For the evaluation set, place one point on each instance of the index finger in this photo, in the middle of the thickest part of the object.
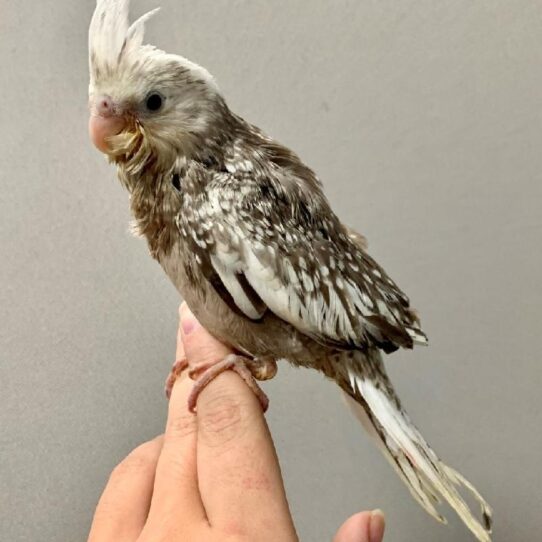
(238, 470)
(176, 484)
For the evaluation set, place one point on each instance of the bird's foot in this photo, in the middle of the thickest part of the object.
(248, 369)
(178, 367)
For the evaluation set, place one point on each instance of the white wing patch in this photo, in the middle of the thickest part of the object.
(230, 280)
(295, 296)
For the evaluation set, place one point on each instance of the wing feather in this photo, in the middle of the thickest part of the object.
(315, 275)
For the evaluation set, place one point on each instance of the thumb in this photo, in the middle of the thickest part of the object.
(200, 347)
(362, 527)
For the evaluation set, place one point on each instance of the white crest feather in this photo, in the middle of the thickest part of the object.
(136, 32)
(116, 46)
(111, 38)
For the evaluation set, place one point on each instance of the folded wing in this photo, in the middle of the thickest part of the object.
(260, 253)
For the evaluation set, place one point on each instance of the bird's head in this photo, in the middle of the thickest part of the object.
(145, 104)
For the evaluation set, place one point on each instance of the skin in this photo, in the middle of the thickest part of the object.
(212, 476)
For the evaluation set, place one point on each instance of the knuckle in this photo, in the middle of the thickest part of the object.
(139, 460)
(201, 351)
(181, 425)
(223, 418)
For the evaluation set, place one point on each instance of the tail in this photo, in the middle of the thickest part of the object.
(373, 400)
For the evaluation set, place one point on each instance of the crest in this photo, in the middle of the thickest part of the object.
(112, 40)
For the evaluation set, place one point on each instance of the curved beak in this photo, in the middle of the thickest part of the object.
(105, 121)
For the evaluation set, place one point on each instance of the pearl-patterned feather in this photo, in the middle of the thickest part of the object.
(305, 266)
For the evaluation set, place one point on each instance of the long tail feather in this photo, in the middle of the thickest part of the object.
(372, 398)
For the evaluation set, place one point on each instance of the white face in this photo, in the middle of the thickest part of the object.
(157, 93)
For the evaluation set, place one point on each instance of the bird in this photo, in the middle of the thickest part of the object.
(242, 228)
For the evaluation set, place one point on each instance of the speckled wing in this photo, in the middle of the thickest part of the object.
(263, 251)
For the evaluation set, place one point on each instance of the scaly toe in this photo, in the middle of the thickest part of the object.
(205, 373)
(178, 367)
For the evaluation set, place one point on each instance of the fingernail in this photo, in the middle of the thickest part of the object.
(377, 524)
(188, 323)
(188, 320)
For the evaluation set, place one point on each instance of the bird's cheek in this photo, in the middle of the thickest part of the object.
(102, 128)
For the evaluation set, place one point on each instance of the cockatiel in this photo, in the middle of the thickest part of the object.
(242, 228)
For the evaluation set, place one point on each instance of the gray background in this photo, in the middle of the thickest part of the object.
(423, 119)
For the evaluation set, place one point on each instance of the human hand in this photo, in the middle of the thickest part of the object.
(211, 477)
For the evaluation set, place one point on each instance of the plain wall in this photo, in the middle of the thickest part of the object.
(423, 120)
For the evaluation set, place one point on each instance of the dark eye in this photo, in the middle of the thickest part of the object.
(154, 101)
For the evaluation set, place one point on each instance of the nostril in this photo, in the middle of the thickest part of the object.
(104, 106)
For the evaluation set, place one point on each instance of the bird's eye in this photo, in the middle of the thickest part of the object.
(154, 101)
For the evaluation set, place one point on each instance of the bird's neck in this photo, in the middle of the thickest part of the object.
(154, 206)
(154, 199)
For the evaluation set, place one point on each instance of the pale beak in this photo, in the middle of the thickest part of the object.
(105, 121)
